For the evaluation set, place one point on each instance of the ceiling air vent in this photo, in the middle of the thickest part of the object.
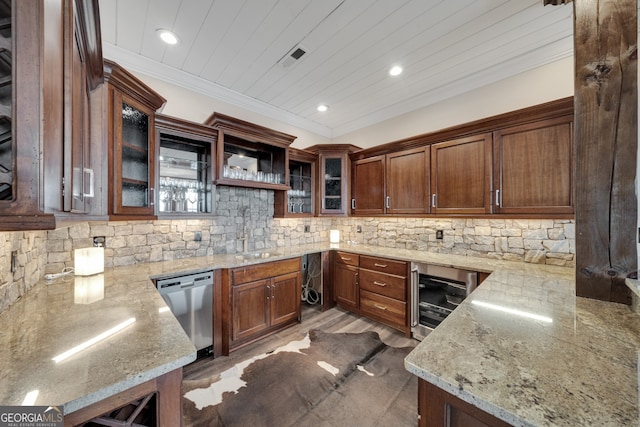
(292, 56)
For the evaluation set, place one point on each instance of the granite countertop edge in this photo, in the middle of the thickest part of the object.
(113, 389)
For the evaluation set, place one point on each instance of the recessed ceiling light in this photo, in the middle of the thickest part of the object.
(322, 108)
(395, 70)
(167, 36)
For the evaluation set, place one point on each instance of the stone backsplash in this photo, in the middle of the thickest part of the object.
(535, 241)
(240, 209)
(29, 265)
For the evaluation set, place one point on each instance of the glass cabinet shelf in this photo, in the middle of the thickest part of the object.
(184, 177)
(184, 167)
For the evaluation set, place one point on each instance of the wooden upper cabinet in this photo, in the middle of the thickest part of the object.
(461, 175)
(334, 173)
(249, 155)
(83, 72)
(396, 183)
(368, 188)
(533, 165)
(299, 201)
(407, 182)
(47, 66)
(131, 107)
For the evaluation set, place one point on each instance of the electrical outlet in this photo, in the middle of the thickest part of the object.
(358, 229)
(439, 234)
(99, 242)
(307, 228)
(198, 236)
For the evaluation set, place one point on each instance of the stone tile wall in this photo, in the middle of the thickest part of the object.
(31, 259)
(535, 241)
(129, 242)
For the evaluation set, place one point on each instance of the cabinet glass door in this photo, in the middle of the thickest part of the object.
(135, 157)
(300, 195)
(332, 197)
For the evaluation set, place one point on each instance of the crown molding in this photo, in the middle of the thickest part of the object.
(151, 68)
(551, 53)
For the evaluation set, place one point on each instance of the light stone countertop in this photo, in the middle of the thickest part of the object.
(575, 366)
(581, 369)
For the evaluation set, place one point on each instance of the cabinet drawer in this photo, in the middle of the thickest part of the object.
(399, 268)
(383, 307)
(384, 284)
(266, 270)
(347, 258)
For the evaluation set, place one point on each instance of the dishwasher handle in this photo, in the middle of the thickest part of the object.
(415, 296)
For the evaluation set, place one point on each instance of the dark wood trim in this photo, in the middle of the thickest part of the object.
(90, 40)
(249, 131)
(168, 401)
(435, 407)
(127, 83)
(185, 128)
(535, 113)
(218, 312)
(606, 131)
(349, 148)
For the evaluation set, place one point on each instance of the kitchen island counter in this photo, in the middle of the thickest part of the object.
(525, 349)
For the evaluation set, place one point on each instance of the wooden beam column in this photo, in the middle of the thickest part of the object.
(606, 135)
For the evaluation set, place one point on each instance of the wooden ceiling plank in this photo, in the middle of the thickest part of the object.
(189, 24)
(428, 61)
(224, 64)
(129, 28)
(161, 15)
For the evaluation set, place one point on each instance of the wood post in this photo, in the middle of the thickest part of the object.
(606, 132)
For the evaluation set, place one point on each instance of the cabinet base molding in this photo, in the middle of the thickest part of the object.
(27, 222)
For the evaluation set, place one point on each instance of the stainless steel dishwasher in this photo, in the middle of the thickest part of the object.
(190, 299)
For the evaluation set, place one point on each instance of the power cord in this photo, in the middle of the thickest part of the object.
(65, 272)
(309, 294)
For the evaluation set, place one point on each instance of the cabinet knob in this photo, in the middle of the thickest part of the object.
(268, 291)
(353, 203)
(388, 202)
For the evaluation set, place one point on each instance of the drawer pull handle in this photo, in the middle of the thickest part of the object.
(380, 307)
(380, 265)
(346, 259)
(379, 283)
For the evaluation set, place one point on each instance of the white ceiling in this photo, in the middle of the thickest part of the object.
(230, 50)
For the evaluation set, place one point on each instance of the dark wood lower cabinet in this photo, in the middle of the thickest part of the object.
(165, 389)
(263, 298)
(439, 408)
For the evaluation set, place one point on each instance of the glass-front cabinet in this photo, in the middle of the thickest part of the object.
(249, 155)
(184, 167)
(299, 200)
(135, 156)
(132, 155)
(333, 178)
